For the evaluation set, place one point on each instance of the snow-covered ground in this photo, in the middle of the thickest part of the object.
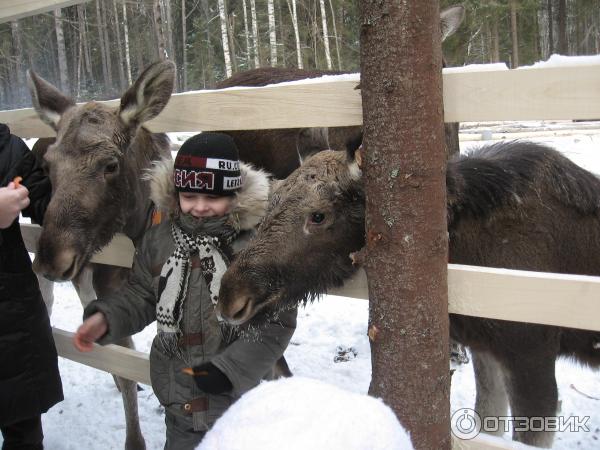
(91, 416)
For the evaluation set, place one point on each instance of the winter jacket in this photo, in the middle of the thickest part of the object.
(29, 379)
(245, 359)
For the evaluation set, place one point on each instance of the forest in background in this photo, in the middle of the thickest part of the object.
(96, 48)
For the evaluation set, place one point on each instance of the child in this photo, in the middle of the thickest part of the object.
(212, 200)
(29, 379)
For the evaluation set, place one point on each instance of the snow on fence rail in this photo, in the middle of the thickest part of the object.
(569, 92)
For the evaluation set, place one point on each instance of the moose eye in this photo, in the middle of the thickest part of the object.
(111, 168)
(317, 218)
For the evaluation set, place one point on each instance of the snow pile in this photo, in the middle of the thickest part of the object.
(566, 61)
(301, 413)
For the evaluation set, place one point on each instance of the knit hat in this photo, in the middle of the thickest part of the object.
(208, 163)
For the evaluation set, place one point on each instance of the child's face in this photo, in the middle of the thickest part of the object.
(204, 205)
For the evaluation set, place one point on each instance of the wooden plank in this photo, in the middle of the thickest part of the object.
(114, 359)
(567, 92)
(17, 9)
(518, 295)
(532, 94)
(119, 252)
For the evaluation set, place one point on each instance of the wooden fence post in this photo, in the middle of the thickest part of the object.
(406, 251)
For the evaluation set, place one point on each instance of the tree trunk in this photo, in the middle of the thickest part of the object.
(513, 34)
(495, 41)
(282, 33)
(208, 70)
(159, 30)
(272, 32)
(247, 35)
(294, 15)
(325, 34)
(335, 36)
(255, 41)
(18, 58)
(169, 30)
(184, 47)
(120, 47)
(406, 248)
(224, 38)
(126, 36)
(63, 70)
(562, 28)
(83, 36)
(550, 28)
(231, 34)
(107, 47)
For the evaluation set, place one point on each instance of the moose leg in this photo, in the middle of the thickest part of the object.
(134, 439)
(47, 290)
(106, 279)
(490, 399)
(532, 392)
(281, 369)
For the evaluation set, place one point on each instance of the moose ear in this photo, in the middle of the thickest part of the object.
(147, 97)
(354, 152)
(48, 102)
(450, 20)
(310, 141)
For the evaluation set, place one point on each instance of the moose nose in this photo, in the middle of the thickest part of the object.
(64, 266)
(238, 311)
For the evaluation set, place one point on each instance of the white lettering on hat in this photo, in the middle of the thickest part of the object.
(194, 179)
(232, 183)
(222, 164)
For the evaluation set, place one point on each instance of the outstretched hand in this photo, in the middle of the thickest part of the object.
(209, 378)
(13, 198)
(92, 329)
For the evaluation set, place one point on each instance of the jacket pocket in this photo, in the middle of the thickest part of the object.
(162, 376)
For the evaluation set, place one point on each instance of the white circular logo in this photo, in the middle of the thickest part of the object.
(465, 423)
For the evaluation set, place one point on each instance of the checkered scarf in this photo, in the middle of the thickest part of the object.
(174, 280)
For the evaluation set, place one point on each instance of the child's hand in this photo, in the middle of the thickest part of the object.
(92, 329)
(13, 199)
(209, 378)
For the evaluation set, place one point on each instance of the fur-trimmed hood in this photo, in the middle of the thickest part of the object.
(249, 204)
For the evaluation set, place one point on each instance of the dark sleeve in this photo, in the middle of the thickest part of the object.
(38, 183)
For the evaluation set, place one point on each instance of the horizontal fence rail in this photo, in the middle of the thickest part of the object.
(17, 9)
(551, 93)
(517, 295)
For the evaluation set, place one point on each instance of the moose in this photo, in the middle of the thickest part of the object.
(514, 205)
(97, 191)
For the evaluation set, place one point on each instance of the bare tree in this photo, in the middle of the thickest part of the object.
(18, 51)
(159, 30)
(406, 231)
(272, 32)
(563, 48)
(224, 38)
(325, 34)
(513, 34)
(83, 38)
(63, 70)
(184, 47)
(255, 42)
(247, 33)
(126, 36)
(119, 47)
(335, 36)
(294, 14)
